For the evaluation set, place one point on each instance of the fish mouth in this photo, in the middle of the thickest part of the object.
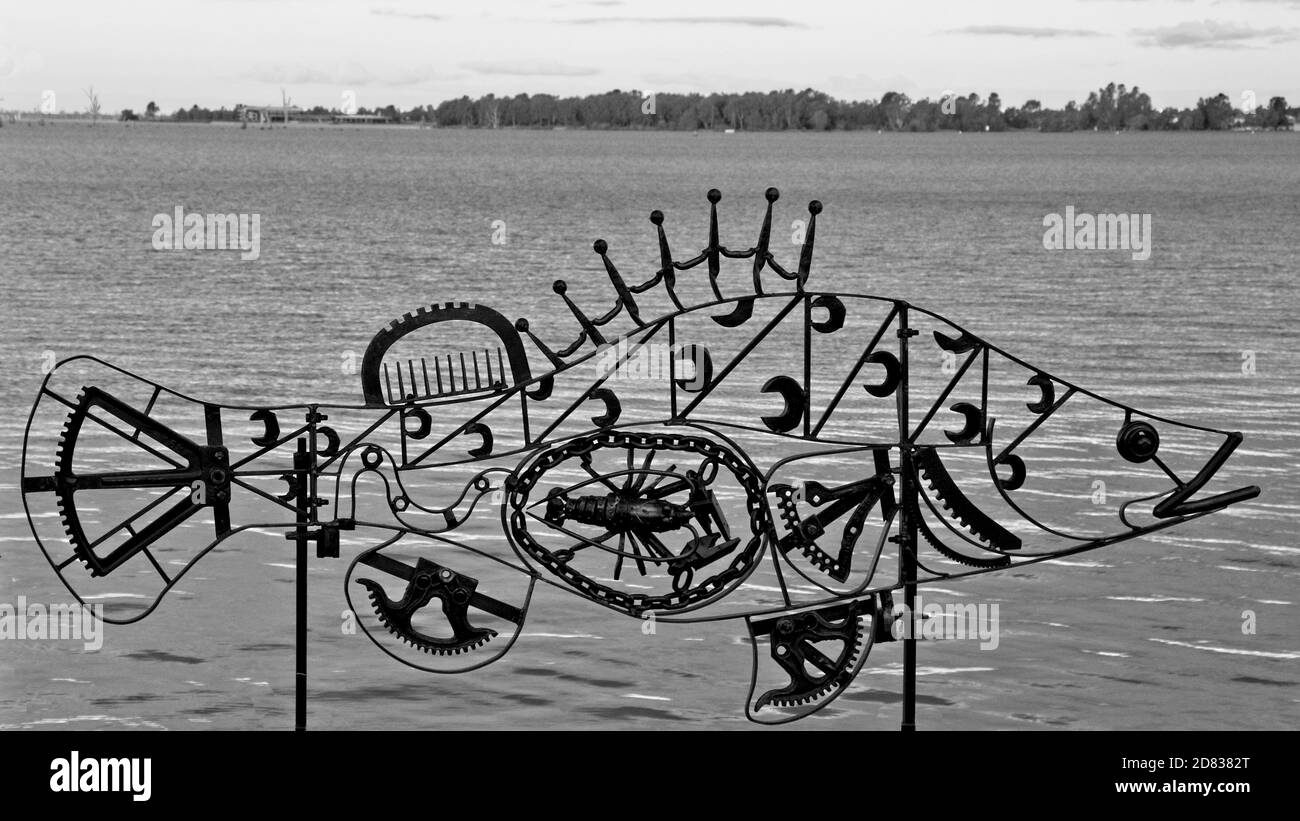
(1137, 442)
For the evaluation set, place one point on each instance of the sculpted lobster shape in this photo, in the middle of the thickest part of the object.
(796, 443)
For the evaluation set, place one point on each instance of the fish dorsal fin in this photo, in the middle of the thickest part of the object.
(592, 331)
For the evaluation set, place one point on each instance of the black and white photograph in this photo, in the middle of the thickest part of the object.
(618, 366)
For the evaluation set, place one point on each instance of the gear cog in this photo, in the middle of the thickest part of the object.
(833, 502)
(456, 593)
(820, 651)
(205, 466)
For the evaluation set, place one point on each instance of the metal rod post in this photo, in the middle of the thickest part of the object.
(907, 528)
(301, 464)
(907, 550)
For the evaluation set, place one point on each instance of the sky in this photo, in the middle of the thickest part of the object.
(407, 53)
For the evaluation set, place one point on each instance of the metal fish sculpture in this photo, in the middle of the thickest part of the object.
(651, 466)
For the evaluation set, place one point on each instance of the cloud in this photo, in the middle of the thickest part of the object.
(756, 22)
(1291, 3)
(1213, 34)
(1037, 32)
(698, 82)
(529, 68)
(858, 86)
(406, 15)
(14, 64)
(342, 75)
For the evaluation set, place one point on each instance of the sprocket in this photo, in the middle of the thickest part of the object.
(833, 641)
(203, 466)
(928, 534)
(456, 593)
(859, 497)
(979, 524)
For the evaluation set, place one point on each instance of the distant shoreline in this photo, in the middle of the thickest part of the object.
(1113, 107)
(37, 121)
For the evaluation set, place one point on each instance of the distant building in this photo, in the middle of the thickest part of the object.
(359, 118)
(267, 113)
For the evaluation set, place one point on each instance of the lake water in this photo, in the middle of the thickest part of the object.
(359, 226)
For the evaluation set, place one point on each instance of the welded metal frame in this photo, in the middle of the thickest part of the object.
(894, 489)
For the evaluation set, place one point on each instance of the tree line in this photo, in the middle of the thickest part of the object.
(1114, 107)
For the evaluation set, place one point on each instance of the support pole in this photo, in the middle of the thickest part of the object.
(301, 466)
(907, 528)
(907, 555)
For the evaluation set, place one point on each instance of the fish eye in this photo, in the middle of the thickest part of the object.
(1137, 441)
